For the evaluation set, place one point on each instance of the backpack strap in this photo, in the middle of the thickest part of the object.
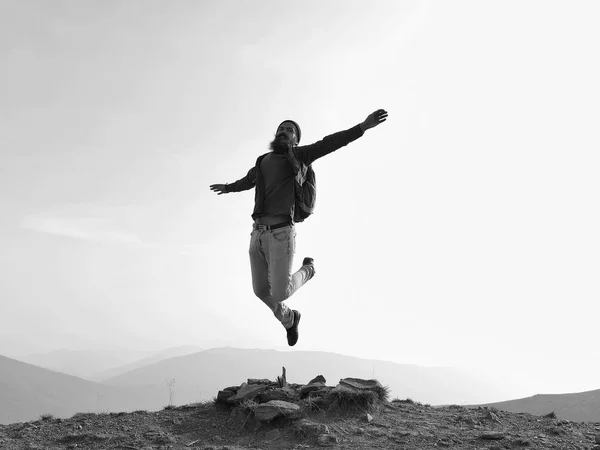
(300, 168)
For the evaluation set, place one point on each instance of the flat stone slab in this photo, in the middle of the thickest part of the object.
(307, 428)
(265, 412)
(493, 436)
(311, 387)
(360, 384)
(285, 394)
(222, 396)
(259, 381)
(318, 379)
(327, 439)
(247, 392)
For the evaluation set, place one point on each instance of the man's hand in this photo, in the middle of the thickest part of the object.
(374, 119)
(218, 188)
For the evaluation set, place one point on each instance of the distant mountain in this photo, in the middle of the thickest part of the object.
(27, 391)
(581, 407)
(164, 354)
(84, 363)
(201, 375)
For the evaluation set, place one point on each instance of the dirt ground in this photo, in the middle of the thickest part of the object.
(396, 425)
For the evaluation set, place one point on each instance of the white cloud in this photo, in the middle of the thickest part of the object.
(86, 228)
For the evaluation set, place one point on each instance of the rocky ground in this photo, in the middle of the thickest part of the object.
(231, 425)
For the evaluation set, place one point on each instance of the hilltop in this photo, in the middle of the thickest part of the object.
(580, 406)
(355, 414)
(27, 391)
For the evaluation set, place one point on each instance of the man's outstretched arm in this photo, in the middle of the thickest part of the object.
(243, 184)
(309, 153)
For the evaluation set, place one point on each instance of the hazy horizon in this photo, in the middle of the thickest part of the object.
(462, 232)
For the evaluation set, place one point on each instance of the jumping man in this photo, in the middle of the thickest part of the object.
(273, 239)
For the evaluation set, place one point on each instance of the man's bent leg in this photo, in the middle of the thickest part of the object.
(300, 278)
(260, 278)
(281, 258)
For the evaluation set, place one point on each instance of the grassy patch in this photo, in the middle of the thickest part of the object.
(313, 404)
(384, 393)
(249, 406)
(346, 401)
(410, 401)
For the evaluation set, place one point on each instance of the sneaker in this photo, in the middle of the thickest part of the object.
(292, 332)
(310, 262)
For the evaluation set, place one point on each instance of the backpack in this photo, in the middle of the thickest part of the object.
(305, 187)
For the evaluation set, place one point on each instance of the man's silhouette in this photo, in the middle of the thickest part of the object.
(273, 239)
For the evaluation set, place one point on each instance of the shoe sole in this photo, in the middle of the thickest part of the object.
(297, 322)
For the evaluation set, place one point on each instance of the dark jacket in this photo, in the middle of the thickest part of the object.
(306, 153)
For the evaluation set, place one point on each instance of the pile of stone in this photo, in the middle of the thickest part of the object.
(269, 400)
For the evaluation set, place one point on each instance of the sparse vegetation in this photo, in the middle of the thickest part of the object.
(281, 380)
(383, 392)
(345, 401)
(410, 401)
(340, 411)
(313, 404)
(249, 405)
(171, 384)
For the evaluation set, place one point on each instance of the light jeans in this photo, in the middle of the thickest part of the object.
(271, 258)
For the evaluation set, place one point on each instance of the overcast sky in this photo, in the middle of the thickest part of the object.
(462, 231)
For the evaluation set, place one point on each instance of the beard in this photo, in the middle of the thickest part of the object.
(279, 146)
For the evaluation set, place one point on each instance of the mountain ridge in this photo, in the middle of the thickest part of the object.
(578, 406)
(434, 385)
(27, 391)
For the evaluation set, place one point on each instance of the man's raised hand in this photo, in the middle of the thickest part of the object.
(218, 188)
(374, 119)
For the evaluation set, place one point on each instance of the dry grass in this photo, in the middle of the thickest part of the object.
(313, 404)
(343, 401)
(249, 405)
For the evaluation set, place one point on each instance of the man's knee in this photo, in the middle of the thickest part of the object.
(281, 294)
(261, 290)
(274, 296)
(271, 303)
